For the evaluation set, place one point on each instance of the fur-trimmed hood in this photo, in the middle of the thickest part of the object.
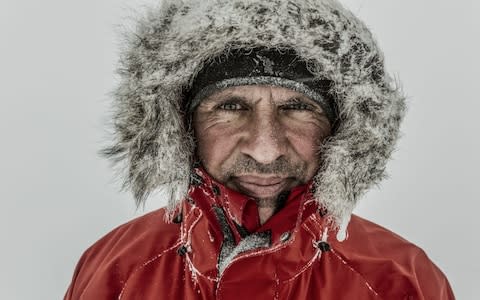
(172, 42)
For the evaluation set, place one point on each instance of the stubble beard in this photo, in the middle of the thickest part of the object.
(282, 167)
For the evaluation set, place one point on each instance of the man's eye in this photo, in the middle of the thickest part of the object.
(230, 106)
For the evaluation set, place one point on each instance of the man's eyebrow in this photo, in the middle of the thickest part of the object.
(303, 99)
(229, 98)
(296, 99)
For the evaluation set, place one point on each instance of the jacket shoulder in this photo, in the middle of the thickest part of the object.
(121, 251)
(136, 234)
(391, 265)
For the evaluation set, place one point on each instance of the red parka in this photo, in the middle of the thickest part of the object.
(148, 258)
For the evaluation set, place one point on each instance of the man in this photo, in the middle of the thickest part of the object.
(265, 121)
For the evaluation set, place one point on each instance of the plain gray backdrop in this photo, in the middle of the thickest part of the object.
(57, 61)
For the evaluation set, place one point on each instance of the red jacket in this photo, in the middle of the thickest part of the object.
(148, 258)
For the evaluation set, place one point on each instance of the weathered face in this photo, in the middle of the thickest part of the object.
(260, 140)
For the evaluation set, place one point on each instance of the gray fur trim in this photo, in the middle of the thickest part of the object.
(253, 241)
(228, 243)
(172, 42)
(229, 250)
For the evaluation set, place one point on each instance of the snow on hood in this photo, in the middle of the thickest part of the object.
(172, 41)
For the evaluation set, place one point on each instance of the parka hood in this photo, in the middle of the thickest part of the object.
(172, 42)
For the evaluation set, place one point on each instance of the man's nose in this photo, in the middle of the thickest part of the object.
(265, 140)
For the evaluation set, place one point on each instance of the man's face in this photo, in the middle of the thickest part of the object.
(260, 140)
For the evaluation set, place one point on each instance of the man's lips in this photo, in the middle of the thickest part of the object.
(259, 186)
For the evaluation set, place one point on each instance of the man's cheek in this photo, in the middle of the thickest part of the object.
(306, 143)
(216, 151)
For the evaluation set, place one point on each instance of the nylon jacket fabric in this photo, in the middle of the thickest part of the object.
(148, 258)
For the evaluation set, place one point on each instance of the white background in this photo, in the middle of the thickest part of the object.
(57, 61)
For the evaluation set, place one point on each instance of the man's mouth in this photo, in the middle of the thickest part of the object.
(260, 186)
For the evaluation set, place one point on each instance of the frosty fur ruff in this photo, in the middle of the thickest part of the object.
(172, 41)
